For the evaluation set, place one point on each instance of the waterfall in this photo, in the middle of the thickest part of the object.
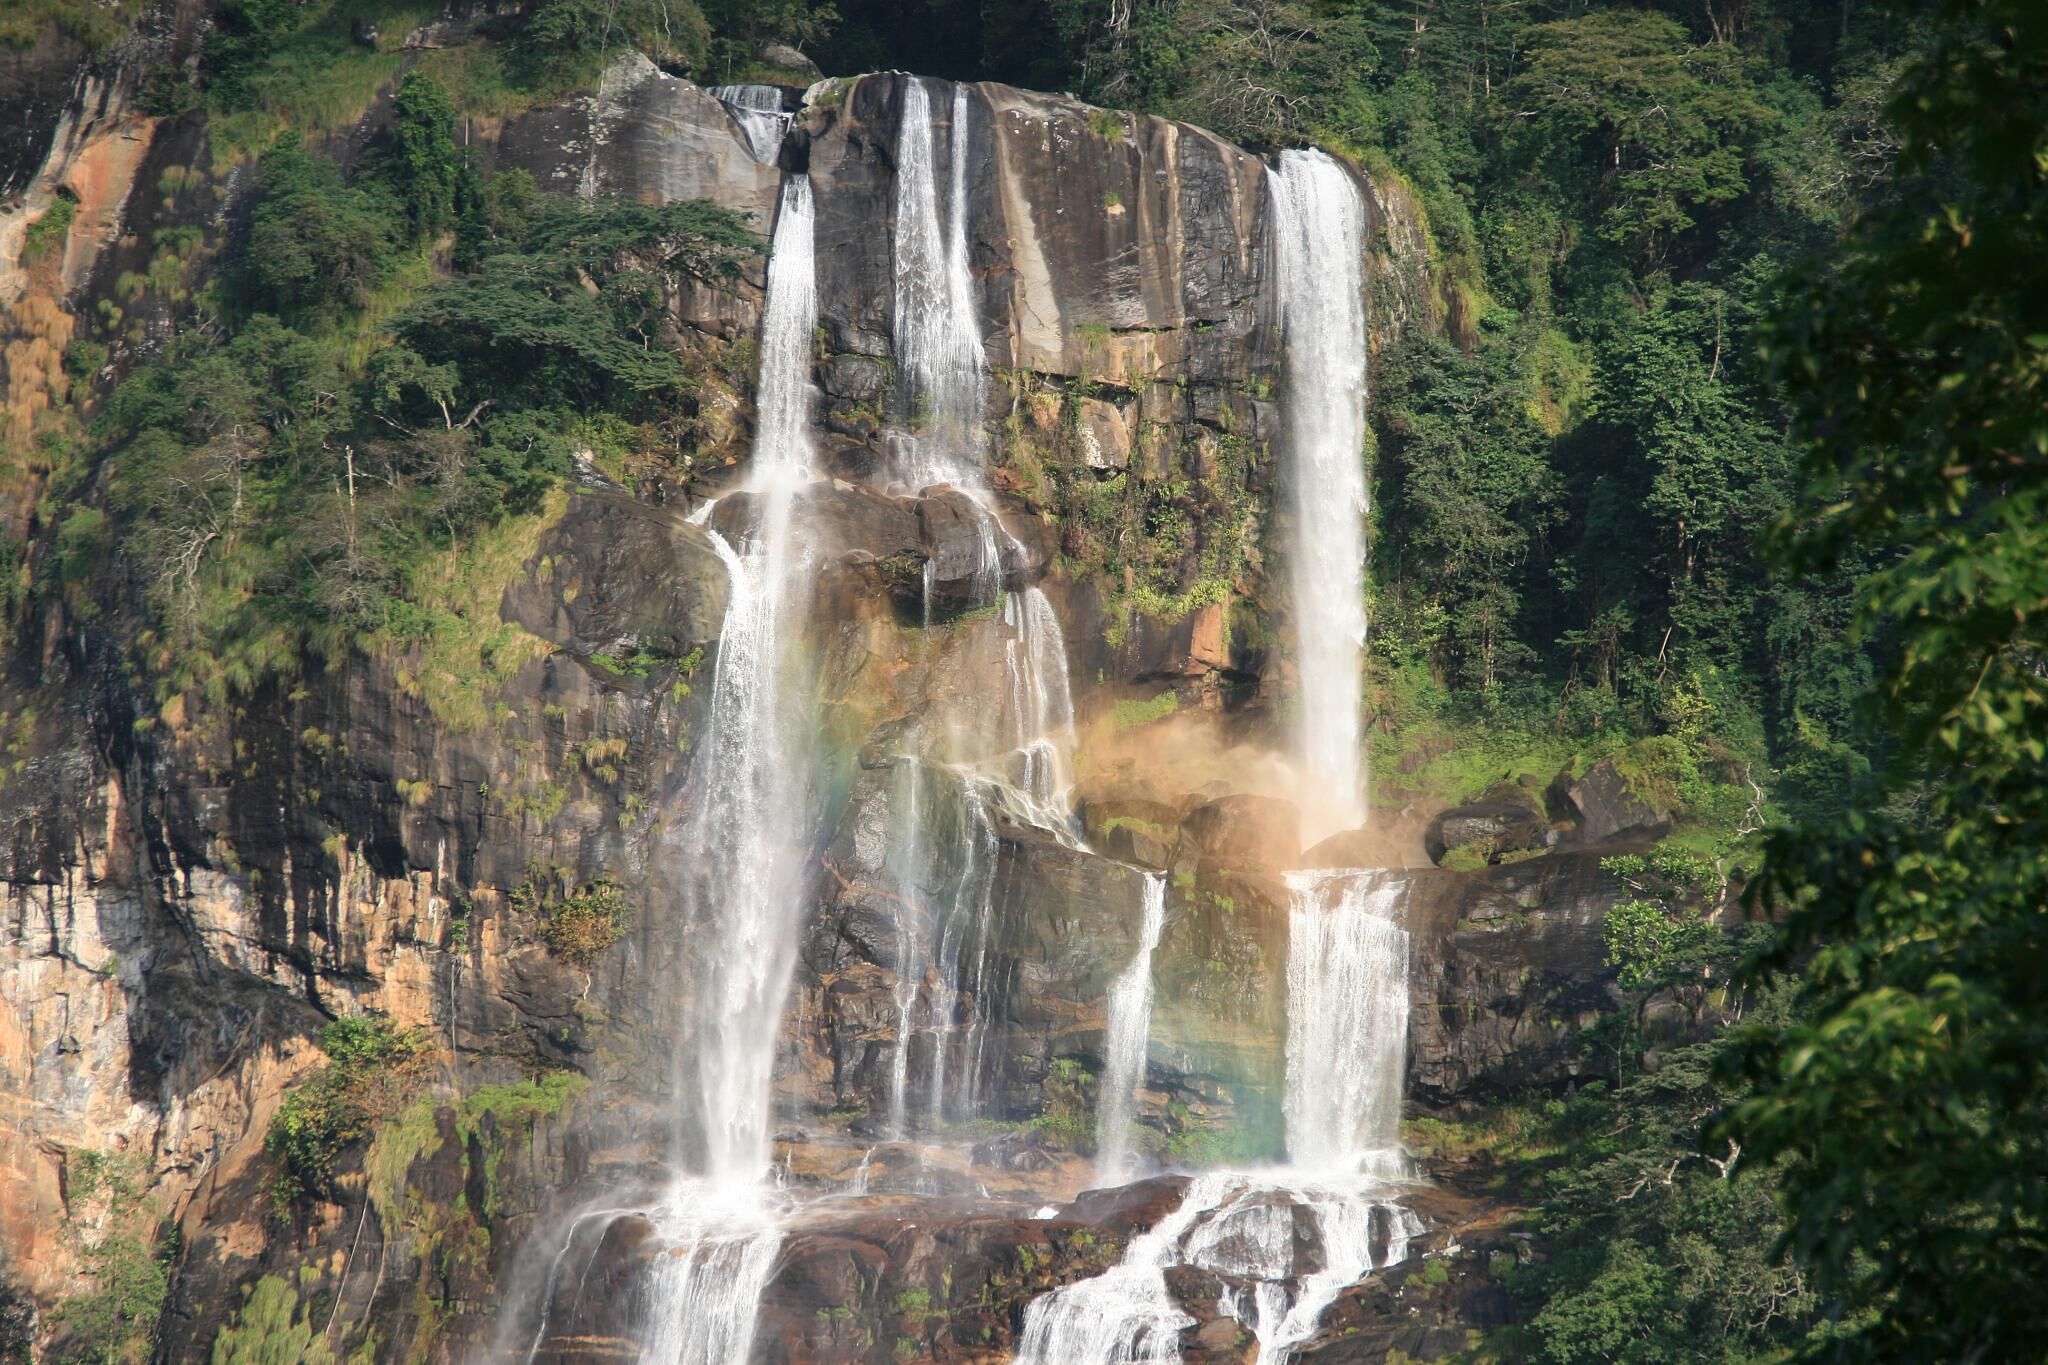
(1284, 1246)
(938, 336)
(1318, 227)
(1253, 1239)
(740, 880)
(1018, 762)
(965, 962)
(1130, 1027)
(1041, 704)
(907, 860)
(1347, 1020)
(1124, 1316)
(1286, 1241)
(757, 109)
(739, 875)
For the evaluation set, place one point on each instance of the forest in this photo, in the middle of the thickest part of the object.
(1729, 464)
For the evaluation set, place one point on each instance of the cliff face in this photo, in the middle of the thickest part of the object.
(192, 888)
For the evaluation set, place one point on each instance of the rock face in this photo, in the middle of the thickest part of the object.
(192, 884)
(1490, 831)
(1509, 964)
(1609, 808)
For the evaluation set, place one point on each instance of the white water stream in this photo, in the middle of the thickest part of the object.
(1347, 1015)
(740, 874)
(757, 109)
(1009, 749)
(1129, 1031)
(1347, 1021)
(938, 332)
(1318, 228)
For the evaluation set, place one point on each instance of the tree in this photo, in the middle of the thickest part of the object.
(1909, 1108)
(316, 244)
(1621, 104)
(426, 169)
(1466, 487)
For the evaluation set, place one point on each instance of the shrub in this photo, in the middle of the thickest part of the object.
(1130, 714)
(271, 1328)
(373, 1069)
(47, 233)
(577, 926)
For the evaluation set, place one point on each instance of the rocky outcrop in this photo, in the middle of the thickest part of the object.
(1609, 807)
(1489, 832)
(1508, 965)
(194, 882)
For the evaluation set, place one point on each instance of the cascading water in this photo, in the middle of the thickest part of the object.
(758, 111)
(1124, 1316)
(950, 867)
(938, 335)
(741, 877)
(1318, 228)
(1129, 1031)
(1347, 1028)
(1347, 1020)
(1250, 1230)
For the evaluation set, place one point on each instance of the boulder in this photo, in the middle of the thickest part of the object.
(1132, 829)
(1249, 833)
(1105, 434)
(1493, 831)
(960, 543)
(615, 576)
(786, 58)
(1608, 808)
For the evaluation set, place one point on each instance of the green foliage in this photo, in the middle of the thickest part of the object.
(47, 233)
(1905, 1106)
(518, 1105)
(1466, 488)
(577, 925)
(1654, 1252)
(1129, 714)
(373, 1068)
(1654, 947)
(1624, 106)
(1067, 1113)
(271, 1327)
(111, 1318)
(425, 168)
(317, 246)
(301, 483)
(94, 23)
(527, 320)
(563, 42)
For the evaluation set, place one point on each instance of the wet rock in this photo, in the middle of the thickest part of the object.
(838, 522)
(856, 378)
(1609, 808)
(1491, 831)
(960, 547)
(1250, 833)
(1132, 829)
(1508, 964)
